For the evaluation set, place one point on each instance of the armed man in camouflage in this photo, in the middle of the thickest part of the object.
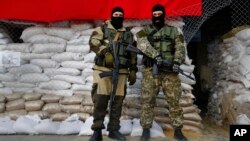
(160, 42)
(101, 43)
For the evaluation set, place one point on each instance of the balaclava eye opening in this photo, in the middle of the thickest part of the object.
(117, 22)
(159, 21)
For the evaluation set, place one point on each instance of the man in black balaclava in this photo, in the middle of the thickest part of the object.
(161, 43)
(158, 16)
(101, 42)
(117, 17)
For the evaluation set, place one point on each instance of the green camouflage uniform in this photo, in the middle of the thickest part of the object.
(102, 38)
(168, 43)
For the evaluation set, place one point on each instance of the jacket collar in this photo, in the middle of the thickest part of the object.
(110, 26)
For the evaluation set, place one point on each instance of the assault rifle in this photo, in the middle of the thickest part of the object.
(164, 63)
(113, 73)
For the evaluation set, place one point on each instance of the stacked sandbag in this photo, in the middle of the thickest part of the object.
(192, 119)
(229, 61)
(4, 37)
(52, 61)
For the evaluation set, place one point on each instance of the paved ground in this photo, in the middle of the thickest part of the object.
(210, 133)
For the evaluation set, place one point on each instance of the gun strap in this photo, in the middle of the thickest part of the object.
(117, 35)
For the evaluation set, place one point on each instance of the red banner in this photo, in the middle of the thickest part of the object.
(57, 10)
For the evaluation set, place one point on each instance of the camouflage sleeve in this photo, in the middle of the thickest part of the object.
(96, 40)
(144, 45)
(179, 55)
(133, 56)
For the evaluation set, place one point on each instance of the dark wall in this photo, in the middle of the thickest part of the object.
(213, 28)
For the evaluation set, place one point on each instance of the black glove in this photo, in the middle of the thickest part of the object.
(132, 77)
(176, 67)
(158, 60)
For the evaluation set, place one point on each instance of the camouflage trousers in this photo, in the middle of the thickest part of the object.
(171, 87)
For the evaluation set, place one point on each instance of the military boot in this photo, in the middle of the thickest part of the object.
(178, 135)
(145, 134)
(97, 135)
(116, 135)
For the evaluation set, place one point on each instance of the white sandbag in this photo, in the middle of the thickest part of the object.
(19, 47)
(15, 105)
(61, 71)
(185, 86)
(52, 108)
(55, 85)
(48, 48)
(82, 40)
(33, 78)
(68, 78)
(30, 56)
(1, 85)
(126, 127)
(136, 129)
(245, 62)
(22, 90)
(43, 39)
(81, 26)
(5, 41)
(87, 72)
(51, 98)
(88, 66)
(55, 92)
(73, 64)
(6, 126)
(3, 47)
(86, 128)
(242, 98)
(7, 77)
(26, 124)
(73, 117)
(186, 80)
(31, 31)
(79, 87)
(47, 126)
(45, 63)
(243, 119)
(65, 33)
(5, 91)
(73, 127)
(3, 70)
(27, 68)
(89, 79)
(34, 105)
(3, 34)
(85, 49)
(18, 85)
(87, 32)
(156, 131)
(89, 58)
(243, 35)
(68, 56)
(187, 68)
(75, 99)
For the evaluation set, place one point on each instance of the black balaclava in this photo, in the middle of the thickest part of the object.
(160, 24)
(117, 22)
